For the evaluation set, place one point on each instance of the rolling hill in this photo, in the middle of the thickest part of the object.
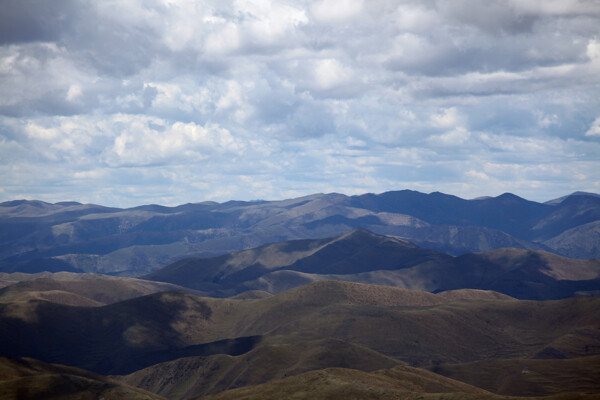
(361, 256)
(78, 289)
(37, 236)
(207, 345)
(338, 383)
(26, 378)
(528, 377)
(395, 383)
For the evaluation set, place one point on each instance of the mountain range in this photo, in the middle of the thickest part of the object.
(396, 295)
(361, 256)
(36, 236)
(179, 345)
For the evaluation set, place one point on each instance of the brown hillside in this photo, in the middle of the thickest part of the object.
(337, 383)
(93, 290)
(368, 323)
(529, 377)
(195, 376)
(29, 379)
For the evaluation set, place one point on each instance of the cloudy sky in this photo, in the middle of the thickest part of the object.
(163, 101)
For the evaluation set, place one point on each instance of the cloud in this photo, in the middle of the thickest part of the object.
(594, 128)
(278, 98)
(151, 141)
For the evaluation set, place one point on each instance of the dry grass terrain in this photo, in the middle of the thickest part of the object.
(183, 346)
(29, 379)
(396, 383)
(532, 377)
(78, 289)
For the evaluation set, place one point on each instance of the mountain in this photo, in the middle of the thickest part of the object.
(579, 193)
(395, 383)
(179, 345)
(180, 378)
(381, 324)
(68, 236)
(78, 289)
(338, 383)
(583, 239)
(362, 256)
(26, 378)
(351, 253)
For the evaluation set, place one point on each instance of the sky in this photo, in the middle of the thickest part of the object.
(132, 102)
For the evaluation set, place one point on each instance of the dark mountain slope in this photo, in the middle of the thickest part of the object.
(583, 239)
(355, 252)
(361, 251)
(572, 212)
(117, 338)
(508, 213)
(361, 256)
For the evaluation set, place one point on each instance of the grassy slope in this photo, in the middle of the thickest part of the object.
(195, 376)
(369, 325)
(397, 383)
(96, 290)
(25, 378)
(527, 376)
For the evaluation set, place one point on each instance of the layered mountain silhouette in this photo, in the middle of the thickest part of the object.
(361, 256)
(393, 295)
(37, 236)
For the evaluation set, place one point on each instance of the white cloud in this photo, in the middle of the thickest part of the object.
(270, 21)
(446, 118)
(336, 10)
(298, 97)
(455, 137)
(594, 128)
(330, 73)
(150, 141)
(226, 39)
(477, 175)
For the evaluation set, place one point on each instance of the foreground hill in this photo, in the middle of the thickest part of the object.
(396, 383)
(37, 236)
(529, 377)
(337, 383)
(26, 378)
(361, 256)
(180, 344)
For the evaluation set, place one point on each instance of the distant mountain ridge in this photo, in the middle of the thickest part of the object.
(36, 236)
(361, 256)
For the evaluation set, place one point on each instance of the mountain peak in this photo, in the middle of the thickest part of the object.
(563, 198)
(362, 234)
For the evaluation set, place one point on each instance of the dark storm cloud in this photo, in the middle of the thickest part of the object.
(36, 20)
